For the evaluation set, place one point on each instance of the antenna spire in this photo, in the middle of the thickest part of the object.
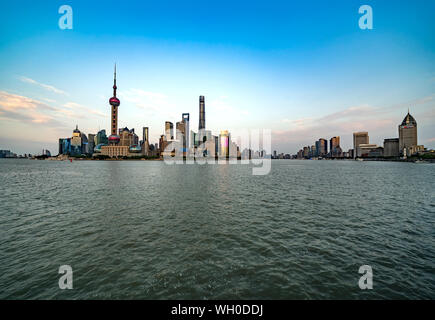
(114, 82)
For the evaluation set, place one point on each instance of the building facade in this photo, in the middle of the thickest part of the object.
(201, 124)
(360, 138)
(408, 136)
(391, 147)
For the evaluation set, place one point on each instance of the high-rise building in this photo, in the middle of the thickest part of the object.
(321, 147)
(145, 141)
(181, 134)
(306, 152)
(169, 131)
(76, 142)
(127, 137)
(114, 102)
(91, 143)
(391, 147)
(408, 136)
(201, 113)
(313, 151)
(224, 144)
(101, 138)
(358, 139)
(186, 118)
(334, 146)
(65, 146)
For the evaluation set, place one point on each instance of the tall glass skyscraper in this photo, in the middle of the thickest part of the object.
(201, 113)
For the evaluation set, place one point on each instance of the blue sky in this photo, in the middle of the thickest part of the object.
(303, 69)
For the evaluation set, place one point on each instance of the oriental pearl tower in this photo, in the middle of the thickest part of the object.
(114, 102)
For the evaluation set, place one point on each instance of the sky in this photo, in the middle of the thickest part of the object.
(303, 69)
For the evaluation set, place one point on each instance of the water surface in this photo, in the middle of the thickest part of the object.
(146, 230)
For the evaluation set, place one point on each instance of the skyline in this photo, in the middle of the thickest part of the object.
(304, 80)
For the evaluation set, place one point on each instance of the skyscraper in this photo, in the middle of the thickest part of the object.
(224, 144)
(321, 147)
(358, 139)
(334, 146)
(185, 118)
(114, 102)
(201, 113)
(91, 143)
(408, 136)
(169, 131)
(145, 141)
(76, 141)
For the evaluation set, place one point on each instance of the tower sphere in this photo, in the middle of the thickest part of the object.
(114, 101)
(114, 138)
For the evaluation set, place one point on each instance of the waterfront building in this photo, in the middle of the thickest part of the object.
(201, 113)
(334, 147)
(391, 147)
(224, 143)
(313, 151)
(169, 131)
(145, 141)
(76, 142)
(216, 145)
(162, 144)
(186, 119)
(306, 152)
(408, 136)
(85, 144)
(128, 137)
(300, 154)
(101, 138)
(360, 138)
(364, 150)
(322, 147)
(7, 154)
(65, 146)
(181, 134)
(91, 143)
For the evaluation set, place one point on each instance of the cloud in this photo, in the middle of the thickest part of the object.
(16, 107)
(73, 109)
(375, 120)
(21, 108)
(43, 85)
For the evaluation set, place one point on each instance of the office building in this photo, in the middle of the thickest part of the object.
(391, 147)
(360, 138)
(408, 136)
(201, 113)
(169, 131)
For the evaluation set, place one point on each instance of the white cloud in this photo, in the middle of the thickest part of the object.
(43, 85)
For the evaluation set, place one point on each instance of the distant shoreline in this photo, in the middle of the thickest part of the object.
(412, 160)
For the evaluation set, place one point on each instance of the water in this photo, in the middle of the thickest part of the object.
(146, 230)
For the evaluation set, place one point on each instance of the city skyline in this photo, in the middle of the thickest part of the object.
(305, 84)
